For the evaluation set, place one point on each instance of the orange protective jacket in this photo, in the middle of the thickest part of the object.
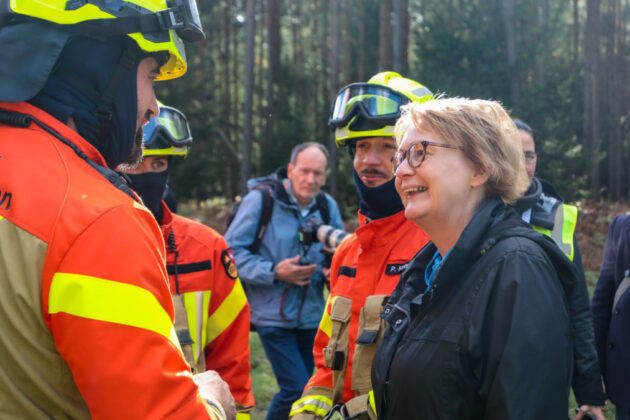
(365, 270)
(86, 311)
(214, 314)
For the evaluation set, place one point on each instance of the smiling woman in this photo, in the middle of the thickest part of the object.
(478, 323)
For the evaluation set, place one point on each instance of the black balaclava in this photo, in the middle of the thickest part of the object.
(90, 64)
(378, 202)
(151, 187)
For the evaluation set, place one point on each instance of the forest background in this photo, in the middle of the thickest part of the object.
(264, 79)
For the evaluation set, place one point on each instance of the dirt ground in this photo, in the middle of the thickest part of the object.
(594, 218)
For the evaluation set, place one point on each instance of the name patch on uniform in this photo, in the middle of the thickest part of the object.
(392, 269)
(227, 258)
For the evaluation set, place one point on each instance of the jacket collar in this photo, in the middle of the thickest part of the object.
(492, 223)
(61, 128)
(542, 199)
(475, 239)
(380, 231)
(166, 224)
(529, 199)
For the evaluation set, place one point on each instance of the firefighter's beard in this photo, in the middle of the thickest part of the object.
(135, 157)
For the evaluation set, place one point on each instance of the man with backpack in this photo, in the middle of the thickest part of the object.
(282, 274)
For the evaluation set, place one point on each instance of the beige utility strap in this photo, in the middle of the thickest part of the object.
(359, 408)
(372, 318)
(336, 353)
(369, 336)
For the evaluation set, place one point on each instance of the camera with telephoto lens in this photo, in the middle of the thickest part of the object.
(314, 230)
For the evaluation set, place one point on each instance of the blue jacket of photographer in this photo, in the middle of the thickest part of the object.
(275, 303)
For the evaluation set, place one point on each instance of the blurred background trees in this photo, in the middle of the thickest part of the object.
(265, 77)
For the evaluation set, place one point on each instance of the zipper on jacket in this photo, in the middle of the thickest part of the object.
(173, 246)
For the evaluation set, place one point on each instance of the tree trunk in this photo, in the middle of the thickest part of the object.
(273, 58)
(260, 86)
(325, 57)
(591, 91)
(385, 61)
(235, 84)
(405, 38)
(334, 87)
(541, 59)
(614, 99)
(227, 103)
(298, 57)
(401, 35)
(361, 42)
(250, 31)
(507, 9)
(576, 69)
(345, 40)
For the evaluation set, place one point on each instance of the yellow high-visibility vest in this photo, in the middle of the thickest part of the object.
(564, 225)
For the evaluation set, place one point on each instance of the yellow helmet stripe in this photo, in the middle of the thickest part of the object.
(171, 151)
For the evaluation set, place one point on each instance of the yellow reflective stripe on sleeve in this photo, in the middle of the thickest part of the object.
(197, 304)
(242, 416)
(109, 301)
(1, 217)
(319, 405)
(227, 312)
(325, 325)
(372, 402)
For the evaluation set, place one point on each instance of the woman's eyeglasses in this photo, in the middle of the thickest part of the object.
(416, 153)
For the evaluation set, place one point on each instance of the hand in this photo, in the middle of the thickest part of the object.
(326, 273)
(594, 410)
(213, 388)
(289, 270)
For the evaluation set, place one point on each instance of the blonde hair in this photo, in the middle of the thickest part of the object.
(484, 130)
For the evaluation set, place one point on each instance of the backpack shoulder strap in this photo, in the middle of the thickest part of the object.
(265, 215)
(322, 204)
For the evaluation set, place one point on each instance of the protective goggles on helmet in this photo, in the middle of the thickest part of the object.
(376, 102)
(156, 25)
(167, 134)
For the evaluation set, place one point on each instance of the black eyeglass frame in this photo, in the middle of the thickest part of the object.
(401, 155)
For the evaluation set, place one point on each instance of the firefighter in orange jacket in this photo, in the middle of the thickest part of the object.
(366, 267)
(211, 311)
(86, 313)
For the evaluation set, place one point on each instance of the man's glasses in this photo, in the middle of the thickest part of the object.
(416, 153)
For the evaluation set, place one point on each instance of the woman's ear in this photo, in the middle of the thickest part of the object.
(479, 178)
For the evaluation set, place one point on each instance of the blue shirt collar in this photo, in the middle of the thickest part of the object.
(432, 267)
